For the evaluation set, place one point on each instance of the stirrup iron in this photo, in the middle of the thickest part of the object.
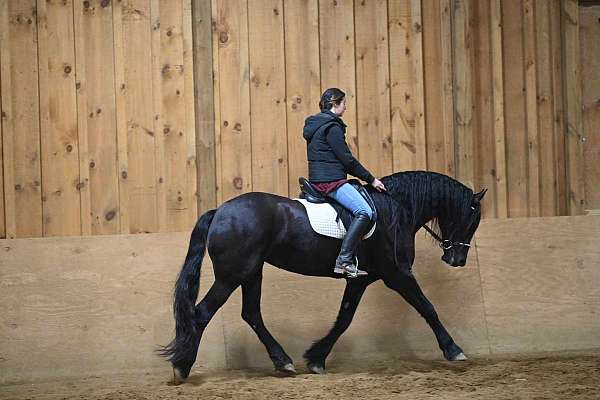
(350, 270)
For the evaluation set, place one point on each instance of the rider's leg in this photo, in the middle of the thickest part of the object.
(352, 200)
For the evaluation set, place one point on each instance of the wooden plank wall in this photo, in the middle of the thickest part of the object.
(468, 88)
(98, 117)
(136, 119)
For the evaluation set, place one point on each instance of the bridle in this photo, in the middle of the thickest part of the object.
(445, 243)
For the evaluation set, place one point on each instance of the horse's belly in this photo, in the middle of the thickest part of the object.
(312, 260)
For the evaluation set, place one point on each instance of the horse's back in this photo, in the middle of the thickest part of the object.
(257, 227)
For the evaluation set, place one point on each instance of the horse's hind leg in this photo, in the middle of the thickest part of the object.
(213, 300)
(251, 293)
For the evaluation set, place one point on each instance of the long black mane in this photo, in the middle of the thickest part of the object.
(416, 197)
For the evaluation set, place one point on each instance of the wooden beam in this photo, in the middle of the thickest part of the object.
(573, 98)
(20, 119)
(462, 50)
(372, 87)
(338, 68)
(99, 188)
(590, 65)
(121, 122)
(267, 97)
(545, 98)
(58, 119)
(302, 80)
(533, 141)
(448, 86)
(402, 78)
(515, 107)
(558, 104)
(189, 148)
(418, 83)
(173, 99)
(483, 116)
(217, 102)
(138, 91)
(498, 108)
(160, 122)
(204, 104)
(434, 85)
(2, 221)
(234, 96)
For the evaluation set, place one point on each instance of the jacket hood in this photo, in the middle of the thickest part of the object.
(314, 122)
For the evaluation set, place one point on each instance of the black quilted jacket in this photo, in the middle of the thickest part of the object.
(329, 158)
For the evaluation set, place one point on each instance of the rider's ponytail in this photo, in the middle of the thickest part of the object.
(331, 97)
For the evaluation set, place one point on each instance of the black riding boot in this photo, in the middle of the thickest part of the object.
(345, 263)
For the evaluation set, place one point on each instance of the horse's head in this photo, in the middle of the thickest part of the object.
(458, 230)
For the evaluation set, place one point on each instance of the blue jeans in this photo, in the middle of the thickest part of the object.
(350, 199)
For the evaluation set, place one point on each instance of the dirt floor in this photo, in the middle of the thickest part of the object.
(548, 377)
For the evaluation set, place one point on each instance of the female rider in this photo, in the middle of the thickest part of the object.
(329, 162)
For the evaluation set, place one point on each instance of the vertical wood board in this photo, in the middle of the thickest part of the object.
(267, 97)
(96, 111)
(337, 52)
(302, 79)
(372, 87)
(234, 98)
(58, 119)
(204, 99)
(20, 119)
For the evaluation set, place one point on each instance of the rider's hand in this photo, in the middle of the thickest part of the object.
(377, 184)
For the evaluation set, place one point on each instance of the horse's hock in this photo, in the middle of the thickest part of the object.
(94, 305)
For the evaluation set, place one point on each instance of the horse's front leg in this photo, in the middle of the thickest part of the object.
(405, 283)
(317, 353)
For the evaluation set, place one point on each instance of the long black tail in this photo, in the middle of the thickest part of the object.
(186, 294)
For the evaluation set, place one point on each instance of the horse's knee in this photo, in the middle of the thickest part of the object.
(252, 318)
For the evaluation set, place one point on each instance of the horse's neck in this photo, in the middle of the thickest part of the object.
(433, 205)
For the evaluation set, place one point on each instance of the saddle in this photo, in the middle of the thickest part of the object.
(312, 195)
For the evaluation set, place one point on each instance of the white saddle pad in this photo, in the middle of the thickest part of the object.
(322, 219)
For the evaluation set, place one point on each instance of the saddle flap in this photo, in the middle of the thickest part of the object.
(324, 220)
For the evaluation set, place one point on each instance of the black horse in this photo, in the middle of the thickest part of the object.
(254, 228)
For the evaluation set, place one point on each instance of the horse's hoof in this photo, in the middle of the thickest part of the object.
(178, 378)
(317, 369)
(288, 369)
(460, 357)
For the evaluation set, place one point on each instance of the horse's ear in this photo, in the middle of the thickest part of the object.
(479, 196)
